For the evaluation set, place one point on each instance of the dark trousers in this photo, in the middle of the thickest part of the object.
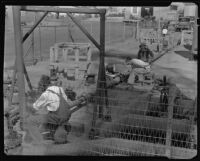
(35, 121)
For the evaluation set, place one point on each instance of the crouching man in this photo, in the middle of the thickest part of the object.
(137, 66)
(52, 107)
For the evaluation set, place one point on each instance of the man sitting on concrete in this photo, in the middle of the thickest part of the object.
(52, 107)
(145, 53)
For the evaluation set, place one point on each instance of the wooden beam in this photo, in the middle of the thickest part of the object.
(84, 30)
(195, 36)
(19, 59)
(34, 26)
(101, 85)
(25, 71)
(63, 10)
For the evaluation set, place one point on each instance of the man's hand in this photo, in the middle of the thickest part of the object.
(83, 97)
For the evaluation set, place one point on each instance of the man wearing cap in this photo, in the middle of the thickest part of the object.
(136, 64)
(145, 53)
(53, 107)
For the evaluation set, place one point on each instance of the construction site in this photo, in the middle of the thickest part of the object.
(147, 108)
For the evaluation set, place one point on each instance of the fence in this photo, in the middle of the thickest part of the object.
(37, 46)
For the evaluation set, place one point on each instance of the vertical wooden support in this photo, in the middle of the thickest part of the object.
(25, 72)
(76, 55)
(54, 34)
(40, 44)
(76, 72)
(56, 52)
(195, 36)
(101, 85)
(52, 55)
(109, 32)
(32, 44)
(89, 53)
(171, 98)
(65, 53)
(138, 30)
(182, 37)
(19, 59)
(124, 31)
(91, 29)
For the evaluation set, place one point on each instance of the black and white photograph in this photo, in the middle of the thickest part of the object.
(101, 80)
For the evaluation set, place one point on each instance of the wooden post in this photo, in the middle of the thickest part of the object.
(19, 59)
(138, 30)
(91, 29)
(182, 37)
(56, 52)
(52, 54)
(124, 31)
(40, 44)
(101, 85)
(195, 36)
(172, 96)
(65, 53)
(109, 32)
(76, 55)
(54, 34)
(89, 53)
(25, 72)
(32, 44)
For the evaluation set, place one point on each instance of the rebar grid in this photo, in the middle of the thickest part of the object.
(136, 118)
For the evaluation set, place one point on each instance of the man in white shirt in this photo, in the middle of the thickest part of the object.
(52, 107)
(136, 64)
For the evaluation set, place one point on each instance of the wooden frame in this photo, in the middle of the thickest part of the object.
(21, 70)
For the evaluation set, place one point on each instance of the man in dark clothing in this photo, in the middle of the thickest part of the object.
(145, 53)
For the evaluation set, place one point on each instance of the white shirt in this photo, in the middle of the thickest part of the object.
(49, 99)
(137, 63)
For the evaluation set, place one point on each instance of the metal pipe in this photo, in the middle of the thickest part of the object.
(62, 10)
(19, 58)
(84, 31)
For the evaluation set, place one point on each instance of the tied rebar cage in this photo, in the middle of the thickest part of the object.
(143, 123)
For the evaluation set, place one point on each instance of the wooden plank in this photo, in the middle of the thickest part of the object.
(84, 31)
(19, 59)
(62, 10)
(26, 74)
